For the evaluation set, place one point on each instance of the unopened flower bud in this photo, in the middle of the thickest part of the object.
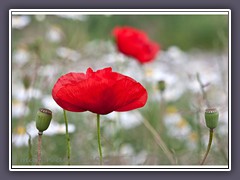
(161, 85)
(211, 117)
(44, 117)
(26, 81)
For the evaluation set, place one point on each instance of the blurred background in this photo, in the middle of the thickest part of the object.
(192, 62)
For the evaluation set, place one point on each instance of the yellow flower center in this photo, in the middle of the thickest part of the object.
(21, 130)
(193, 136)
(171, 110)
(182, 123)
(149, 72)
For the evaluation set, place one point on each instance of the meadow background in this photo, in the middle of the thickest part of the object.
(193, 61)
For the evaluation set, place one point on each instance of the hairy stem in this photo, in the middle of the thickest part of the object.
(67, 137)
(29, 149)
(39, 148)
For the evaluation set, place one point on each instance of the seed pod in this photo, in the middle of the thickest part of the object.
(44, 117)
(211, 117)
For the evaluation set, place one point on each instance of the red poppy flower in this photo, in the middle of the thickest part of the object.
(135, 43)
(100, 92)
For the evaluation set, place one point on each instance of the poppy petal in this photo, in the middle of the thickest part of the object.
(129, 95)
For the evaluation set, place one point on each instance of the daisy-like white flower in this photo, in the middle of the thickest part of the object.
(126, 120)
(192, 140)
(22, 94)
(19, 108)
(74, 17)
(177, 126)
(129, 156)
(40, 17)
(21, 56)
(19, 22)
(48, 101)
(174, 84)
(54, 34)
(67, 53)
(20, 137)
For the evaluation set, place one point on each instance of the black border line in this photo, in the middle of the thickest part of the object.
(119, 10)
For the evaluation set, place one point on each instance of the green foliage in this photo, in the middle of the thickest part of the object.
(186, 32)
(206, 32)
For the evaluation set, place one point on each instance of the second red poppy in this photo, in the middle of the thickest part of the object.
(135, 43)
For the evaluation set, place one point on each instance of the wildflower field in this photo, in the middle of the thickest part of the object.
(131, 89)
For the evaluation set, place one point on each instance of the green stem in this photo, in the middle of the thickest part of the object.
(67, 137)
(99, 138)
(161, 127)
(199, 135)
(209, 145)
(159, 141)
(29, 149)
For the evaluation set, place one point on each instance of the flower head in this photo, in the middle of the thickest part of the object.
(44, 117)
(100, 92)
(211, 117)
(135, 43)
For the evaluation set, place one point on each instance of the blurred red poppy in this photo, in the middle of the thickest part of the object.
(100, 92)
(135, 43)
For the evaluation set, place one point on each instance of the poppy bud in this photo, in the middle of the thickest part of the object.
(44, 117)
(26, 81)
(211, 117)
(161, 85)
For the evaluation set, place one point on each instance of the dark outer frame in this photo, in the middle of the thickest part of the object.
(91, 4)
(114, 168)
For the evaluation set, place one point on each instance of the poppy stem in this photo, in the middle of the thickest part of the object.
(29, 149)
(99, 138)
(67, 137)
(39, 147)
(209, 145)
